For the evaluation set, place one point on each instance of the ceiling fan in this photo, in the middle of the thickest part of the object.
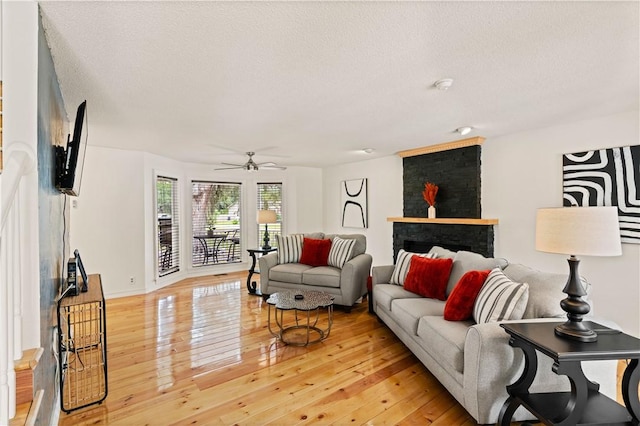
(251, 165)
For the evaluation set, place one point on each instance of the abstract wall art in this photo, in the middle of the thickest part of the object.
(354, 203)
(606, 177)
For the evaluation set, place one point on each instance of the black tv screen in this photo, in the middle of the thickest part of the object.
(70, 161)
(83, 273)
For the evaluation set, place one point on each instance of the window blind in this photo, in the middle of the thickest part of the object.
(168, 216)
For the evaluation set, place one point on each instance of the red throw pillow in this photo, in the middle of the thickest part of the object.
(459, 306)
(428, 277)
(315, 252)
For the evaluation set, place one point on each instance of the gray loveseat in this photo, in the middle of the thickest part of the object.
(346, 284)
(474, 361)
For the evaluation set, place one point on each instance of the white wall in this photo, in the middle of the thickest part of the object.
(107, 224)
(384, 198)
(114, 225)
(523, 172)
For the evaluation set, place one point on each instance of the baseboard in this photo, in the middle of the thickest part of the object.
(35, 408)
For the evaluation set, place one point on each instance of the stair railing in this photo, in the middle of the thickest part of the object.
(19, 161)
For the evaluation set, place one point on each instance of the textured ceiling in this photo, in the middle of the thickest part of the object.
(310, 83)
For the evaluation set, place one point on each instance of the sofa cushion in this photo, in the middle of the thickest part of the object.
(469, 261)
(459, 306)
(315, 252)
(323, 276)
(407, 312)
(289, 248)
(500, 299)
(384, 294)
(361, 242)
(428, 277)
(288, 272)
(402, 265)
(444, 340)
(442, 252)
(340, 252)
(315, 235)
(545, 290)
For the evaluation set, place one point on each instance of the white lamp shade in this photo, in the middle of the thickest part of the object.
(589, 231)
(267, 216)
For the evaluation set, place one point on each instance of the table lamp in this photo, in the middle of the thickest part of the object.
(265, 217)
(590, 231)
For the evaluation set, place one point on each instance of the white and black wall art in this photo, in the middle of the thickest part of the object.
(354, 203)
(606, 177)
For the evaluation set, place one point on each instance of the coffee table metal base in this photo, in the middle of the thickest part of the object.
(306, 317)
(284, 333)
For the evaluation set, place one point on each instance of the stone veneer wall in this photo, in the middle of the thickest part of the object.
(457, 173)
(420, 237)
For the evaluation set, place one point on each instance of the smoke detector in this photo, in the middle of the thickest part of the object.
(443, 84)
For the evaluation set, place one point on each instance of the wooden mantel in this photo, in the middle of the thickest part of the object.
(444, 221)
(461, 143)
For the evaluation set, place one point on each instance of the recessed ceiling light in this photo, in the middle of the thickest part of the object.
(465, 130)
(443, 84)
(368, 150)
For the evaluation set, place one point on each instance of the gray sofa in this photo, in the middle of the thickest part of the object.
(474, 361)
(347, 284)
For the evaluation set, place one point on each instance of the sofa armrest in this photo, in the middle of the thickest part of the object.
(353, 277)
(382, 274)
(265, 263)
(490, 364)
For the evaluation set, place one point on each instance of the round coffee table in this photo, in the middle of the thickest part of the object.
(300, 301)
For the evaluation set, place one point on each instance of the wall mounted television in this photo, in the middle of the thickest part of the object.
(70, 160)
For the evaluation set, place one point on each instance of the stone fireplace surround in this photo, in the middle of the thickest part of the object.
(455, 167)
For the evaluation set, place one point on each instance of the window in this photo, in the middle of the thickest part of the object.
(270, 198)
(216, 223)
(168, 230)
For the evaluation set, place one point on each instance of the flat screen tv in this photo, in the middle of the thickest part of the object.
(70, 161)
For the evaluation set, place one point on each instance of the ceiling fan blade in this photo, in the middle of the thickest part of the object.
(267, 164)
(274, 167)
(230, 168)
(233, 164)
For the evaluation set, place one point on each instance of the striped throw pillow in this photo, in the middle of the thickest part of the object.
(289, 248)
(500, 299)
(402, 265)
(341, 250)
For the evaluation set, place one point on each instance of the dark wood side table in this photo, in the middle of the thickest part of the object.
(584, 404)
(255, 253)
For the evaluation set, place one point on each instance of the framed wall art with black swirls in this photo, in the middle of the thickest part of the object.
(606, 177)
(354, 203)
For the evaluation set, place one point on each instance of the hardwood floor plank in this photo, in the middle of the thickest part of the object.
(308, 380)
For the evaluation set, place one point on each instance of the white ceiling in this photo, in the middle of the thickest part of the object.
(310, 83)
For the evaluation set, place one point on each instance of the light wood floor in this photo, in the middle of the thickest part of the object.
(199, 352)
